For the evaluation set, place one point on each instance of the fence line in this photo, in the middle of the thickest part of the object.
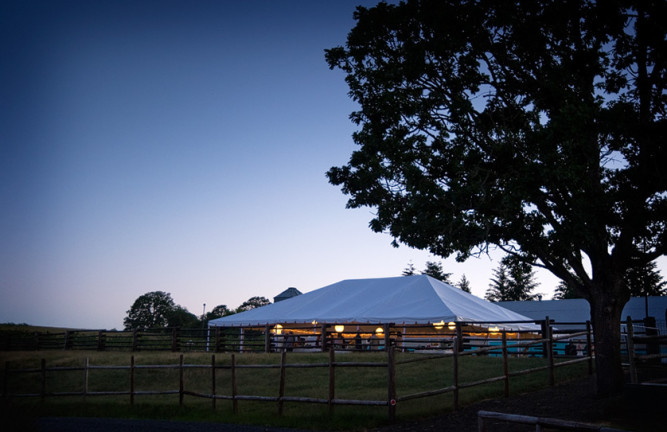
(215, 394)
(652, 353)
(302, 337)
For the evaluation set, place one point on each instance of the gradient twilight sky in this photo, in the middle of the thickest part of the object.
(182, 147)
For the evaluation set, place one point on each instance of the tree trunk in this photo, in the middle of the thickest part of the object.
(606, 310)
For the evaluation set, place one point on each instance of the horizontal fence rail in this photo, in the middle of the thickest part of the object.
(539, 422)
(645, 353)
(456, 349)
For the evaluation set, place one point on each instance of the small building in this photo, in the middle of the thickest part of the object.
(287, 294)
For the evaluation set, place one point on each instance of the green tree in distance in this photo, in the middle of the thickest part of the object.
(410, 270)
(252, 303)
(181, 317)
(464, 284)
(513, 280)
(150, 310)
(500, 283)
(434, 269)
(538, 127)
(218, 312)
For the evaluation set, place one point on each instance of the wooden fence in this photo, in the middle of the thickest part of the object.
(320, 337)
(504, 350)
(645, 354)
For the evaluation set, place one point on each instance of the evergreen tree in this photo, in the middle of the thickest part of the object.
(409, 270)
(464, 284)
(499, 287)
(646, 280)
(434, 269)
(514, 281)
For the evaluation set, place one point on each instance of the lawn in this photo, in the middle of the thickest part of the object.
(351, 383)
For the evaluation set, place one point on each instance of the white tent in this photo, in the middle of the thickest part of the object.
(403, 300)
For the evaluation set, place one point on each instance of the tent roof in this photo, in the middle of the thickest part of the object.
(416, 299)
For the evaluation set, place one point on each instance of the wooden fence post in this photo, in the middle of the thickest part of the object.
(5, 383)
(391, 384)
(323, 338)
(235, 403)
(267, 339)
(85, 378)
(455, 368)
(42, 392)
(213, 378)
(175, 346)
(66, 343)
(180, 380)
(459, 337)
(545, 331)
(387, 336)
(101, 340)
(281, 386)
(550, 353)
(131, 380)
(505, 365)
(631, 351)
(135, 340)
(218, 340)
(332, 379)
(589, 347)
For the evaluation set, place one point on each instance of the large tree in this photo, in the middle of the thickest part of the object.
(535, 126)
(151, 310)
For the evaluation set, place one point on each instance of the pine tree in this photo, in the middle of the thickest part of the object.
(464, 284)
(513, 280)
(434, 269)
(409, 270)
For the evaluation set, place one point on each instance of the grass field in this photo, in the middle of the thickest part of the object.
(358, 383)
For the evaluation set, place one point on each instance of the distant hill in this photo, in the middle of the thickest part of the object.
(27, 328)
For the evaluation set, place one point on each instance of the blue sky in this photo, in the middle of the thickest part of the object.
(182, 147)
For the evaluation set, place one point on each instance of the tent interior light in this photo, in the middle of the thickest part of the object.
(339, 328)
(451, 325)
(494, 329)
(278, 329)
(439, 325)
(379, 330)
(314, 322)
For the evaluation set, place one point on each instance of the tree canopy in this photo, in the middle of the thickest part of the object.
(150, 310)
(252, 303)
(537, 127)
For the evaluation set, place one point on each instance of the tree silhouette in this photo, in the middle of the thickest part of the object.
(538, 127)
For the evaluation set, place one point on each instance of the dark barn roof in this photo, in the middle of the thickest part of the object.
(288, 293)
